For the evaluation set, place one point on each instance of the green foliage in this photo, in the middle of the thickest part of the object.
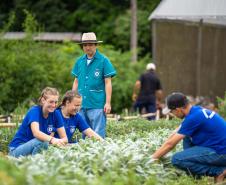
(27, 67)
(122, 159)
(9, 23)
(30, 25)
(10, 174)
(6, 135)
(122, 32)
(141, 126)
(222, 106)
(109, 19)
(23, 69)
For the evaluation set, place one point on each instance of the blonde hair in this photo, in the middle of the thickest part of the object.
(69, 96)
(48, 91)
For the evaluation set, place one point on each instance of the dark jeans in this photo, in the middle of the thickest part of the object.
(198, 160)
(148, 107)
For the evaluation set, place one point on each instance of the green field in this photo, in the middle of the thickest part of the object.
(123, 158)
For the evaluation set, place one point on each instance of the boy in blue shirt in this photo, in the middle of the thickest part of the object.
(204, 137)
(34, 134)
(72, 120)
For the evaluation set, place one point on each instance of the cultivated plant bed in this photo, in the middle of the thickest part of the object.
(123, 158)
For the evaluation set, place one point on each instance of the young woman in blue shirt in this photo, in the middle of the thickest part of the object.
(72, 120)
(34, 134)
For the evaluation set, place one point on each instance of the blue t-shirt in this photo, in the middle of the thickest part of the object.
(206, 128)
(91, 79)
(70, 125)
(46, 125)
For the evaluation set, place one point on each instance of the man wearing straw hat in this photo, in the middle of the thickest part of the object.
(93, 72)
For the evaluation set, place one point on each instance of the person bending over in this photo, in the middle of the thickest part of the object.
(203, 133)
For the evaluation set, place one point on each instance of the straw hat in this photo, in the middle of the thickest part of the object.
(89, 37)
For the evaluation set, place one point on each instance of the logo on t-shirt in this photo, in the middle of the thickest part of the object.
(50, 128)
(205, 112)
(72, 129)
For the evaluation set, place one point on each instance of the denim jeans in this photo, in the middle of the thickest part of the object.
(198, 160)
(32, 147)
(96, 119)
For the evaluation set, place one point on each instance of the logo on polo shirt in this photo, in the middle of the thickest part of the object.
(97, 73)
(50, 128)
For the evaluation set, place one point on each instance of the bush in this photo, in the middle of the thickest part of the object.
(10, 174)
(222, 106)
(27, 67)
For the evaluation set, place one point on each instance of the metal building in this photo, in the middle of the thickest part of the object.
(189, 46)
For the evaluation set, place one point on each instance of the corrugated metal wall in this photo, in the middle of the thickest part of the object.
(190, 58)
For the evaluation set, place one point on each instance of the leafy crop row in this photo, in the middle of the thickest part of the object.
(123, 158)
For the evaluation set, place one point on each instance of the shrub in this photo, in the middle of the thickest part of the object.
(222, 106)
(27, 67)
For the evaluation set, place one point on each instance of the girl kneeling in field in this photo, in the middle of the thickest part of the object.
(68, 110)
(41, 120)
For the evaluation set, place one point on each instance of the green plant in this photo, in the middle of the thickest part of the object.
(123, 158)
(6, 135)
(10, 174)
(222, 105)
(30, 24)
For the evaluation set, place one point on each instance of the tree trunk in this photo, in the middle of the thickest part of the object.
(133, 38)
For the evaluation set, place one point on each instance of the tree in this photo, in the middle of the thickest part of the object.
(133, 38)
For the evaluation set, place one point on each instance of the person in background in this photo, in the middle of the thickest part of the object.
(34, 134)
(147, 92)
(204, 139)
(93, 73)
(72, 120)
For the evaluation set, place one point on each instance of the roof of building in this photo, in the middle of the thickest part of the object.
(45, 36)
(210, 11)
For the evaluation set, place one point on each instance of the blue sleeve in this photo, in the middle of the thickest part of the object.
(82, 124)
(33, 115)
(58, 120)
(109, 70)
(190, 125)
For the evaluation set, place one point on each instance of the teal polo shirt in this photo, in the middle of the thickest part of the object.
(91, 84)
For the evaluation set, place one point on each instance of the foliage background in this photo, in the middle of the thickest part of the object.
(123, 158)
(26, 67)
(109, 19)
